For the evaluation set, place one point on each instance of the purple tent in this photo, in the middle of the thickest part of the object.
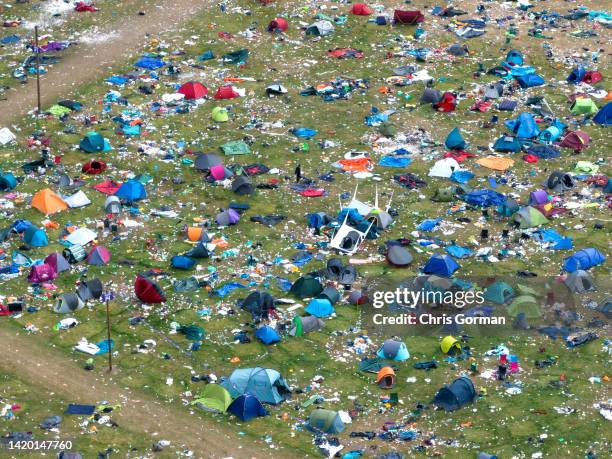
(98, 256)
(576, 140)
(41, 273)
(57, 262)
(227, 217)
(538, 197)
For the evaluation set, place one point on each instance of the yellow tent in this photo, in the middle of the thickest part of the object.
(47, 202)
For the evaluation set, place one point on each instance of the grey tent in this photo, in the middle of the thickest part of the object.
(90, 290)
(303, 325)
(381, 219)
(112, 205)
(331, 294)
(68, 302)
(204, 161)
(348, 275)
(65, 181)
(580, 281)
(457, 50)
(57, 262)
(69, 455)
(334, 268)
(454, 396)
(258, 303)
(191, 284)
(227, 217)
(242, 185)
(199, 251)
(393, 349)
(494, 91)
(560, 181)
(327, 421)
(320, 28)
(399, 256)
(51, 422)
(430, 96)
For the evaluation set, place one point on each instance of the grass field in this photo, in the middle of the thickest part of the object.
(498, 422)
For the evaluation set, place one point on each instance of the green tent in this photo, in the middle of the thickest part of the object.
(191, 332)
(220, 114)
(306, 287)
(529, 217)
(213, 398)
(387, 129)
(499, 293)
(235, 147)
(586, 167)
(526, 304)
(327, 421)
(236, 57)
(58, 110)
(584, 106)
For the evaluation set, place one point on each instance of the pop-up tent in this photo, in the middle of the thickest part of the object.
(499, 293)
(604, 115)
(454, 396)
(147, 290)
(303, 325)
(583, 106)
(68, 302)
(441, 265)
(90, 290)
(131, 191)
(193, 90)
(264, 383)
(393, 350)
(579, 281)
(320, 28)
(247, 407)
(385, 378)
(560, 181)
(450, 346)
(306, 287)
(94, 142)
(576, 140)
(454, 140)
(267, 335)
(213, 398)
(399, 256)
(8, 181)
(529, 217)
(320, 307)
(35, 237)
(583, 259)
(326, 421)
(226, 92)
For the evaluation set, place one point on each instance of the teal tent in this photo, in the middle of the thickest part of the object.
(94, 142)
(264, 383)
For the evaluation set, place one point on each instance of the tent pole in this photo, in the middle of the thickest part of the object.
(37, 50)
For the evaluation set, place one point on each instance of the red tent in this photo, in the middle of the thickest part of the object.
(447, 104)
(361, 9)
(226, 92)
(94, 167)
(408, 17)
(193, 90)
(148, 291)
(109, 187)
(279, 24)
(592, 77)
(576, 140)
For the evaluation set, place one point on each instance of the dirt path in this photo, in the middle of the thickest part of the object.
(86, 62)
(139, 413)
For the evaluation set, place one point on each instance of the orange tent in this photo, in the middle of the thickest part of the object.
(48, 202)
(356, 165)
(194, 233)
(496, 163)
(386, 378)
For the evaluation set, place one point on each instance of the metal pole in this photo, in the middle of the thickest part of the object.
(37, 69)
(108, 329)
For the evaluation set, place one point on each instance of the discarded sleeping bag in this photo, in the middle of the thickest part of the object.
(182, 262)
(458, 394)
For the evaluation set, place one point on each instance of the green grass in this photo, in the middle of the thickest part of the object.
(506, 425)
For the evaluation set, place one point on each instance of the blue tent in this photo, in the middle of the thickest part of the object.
(7, 181)
(514, 57)
(35, 237)
(577, 75)
(304, 132)
(94, 142)
(320, 307)
(393, 350)
(524, 126)
(149, 63)
(529, 81)
(507, 144)
(247, 407)
(499, 293)
(132, 190)
(182, 262)
(264, 383)
(454, 140)
(461, 176)
(459, 252)
(267, 335)
(454, 396)
(583, 259)
(544, 151)
(604, 115)
(484, 198)
(441, 265)
(394, 161)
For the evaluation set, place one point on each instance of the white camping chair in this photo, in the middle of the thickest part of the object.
(348, 239)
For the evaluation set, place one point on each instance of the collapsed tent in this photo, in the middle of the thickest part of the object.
(455, 396)
(580, 281)
(264, 383)
(147, 290)
(8, 181)
(407, 17)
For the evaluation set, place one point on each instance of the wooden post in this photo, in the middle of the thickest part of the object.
(37, 69)
(108, 330)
